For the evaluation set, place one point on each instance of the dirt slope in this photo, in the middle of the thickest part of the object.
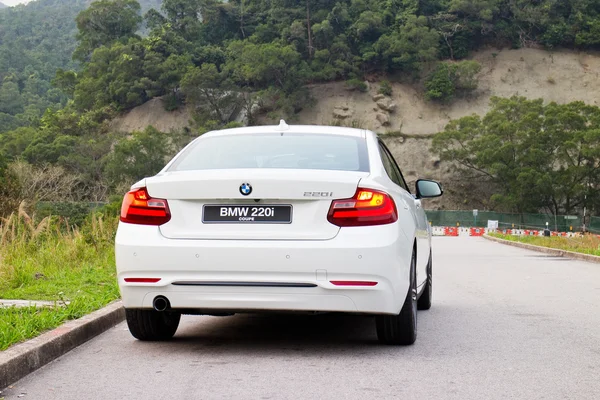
(152, 113)
(561, 76)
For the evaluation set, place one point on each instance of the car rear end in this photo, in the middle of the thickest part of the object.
(263, 221)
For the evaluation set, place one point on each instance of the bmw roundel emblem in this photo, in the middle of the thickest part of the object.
(245, 189)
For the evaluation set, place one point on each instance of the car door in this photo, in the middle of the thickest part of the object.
(422, 233)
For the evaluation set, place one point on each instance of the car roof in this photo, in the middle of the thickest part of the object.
(284, 128)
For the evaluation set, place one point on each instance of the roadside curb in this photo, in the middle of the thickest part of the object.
(547, 250)
(22, 359)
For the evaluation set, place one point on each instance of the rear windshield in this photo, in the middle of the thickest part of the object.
(275, 150)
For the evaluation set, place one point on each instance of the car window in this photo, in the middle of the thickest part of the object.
(392, 168)
(275, 150)
(387, 165)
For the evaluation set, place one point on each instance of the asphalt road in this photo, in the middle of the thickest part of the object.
(506, 323)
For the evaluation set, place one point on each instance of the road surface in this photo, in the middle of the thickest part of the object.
(506, 323)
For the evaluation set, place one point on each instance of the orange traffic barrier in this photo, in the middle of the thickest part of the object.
(450, 231)
(476, 232)
(507, 231)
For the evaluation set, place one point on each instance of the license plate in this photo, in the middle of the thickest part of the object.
(247, 214)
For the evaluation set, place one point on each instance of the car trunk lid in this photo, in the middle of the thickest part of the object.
(192, 194)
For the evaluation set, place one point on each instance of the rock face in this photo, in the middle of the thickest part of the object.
(383, 119)
(386, 105)
(342, 112)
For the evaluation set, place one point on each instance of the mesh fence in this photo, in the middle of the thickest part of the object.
(560, 223)
(595, 224)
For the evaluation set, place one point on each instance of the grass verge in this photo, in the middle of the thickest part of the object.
(52, 261)
(589, 244)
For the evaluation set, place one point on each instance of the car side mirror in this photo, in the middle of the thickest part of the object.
(428, 189)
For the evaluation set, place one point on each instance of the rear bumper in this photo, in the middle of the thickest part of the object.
(288, 275)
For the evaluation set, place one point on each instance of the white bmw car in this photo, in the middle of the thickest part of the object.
(276, 219)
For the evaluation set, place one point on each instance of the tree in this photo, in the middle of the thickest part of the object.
(11, 101)
(209, 91)
(65, 81)
(114, 76)
(105, 22)
(140, 155)
(263, 65)
(477, 9)
(413, 45)
(538, 157)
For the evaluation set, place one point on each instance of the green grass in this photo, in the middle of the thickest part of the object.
(51, 261)
(589, 244)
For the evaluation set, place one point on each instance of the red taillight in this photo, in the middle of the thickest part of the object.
(139, 208)
(353, 283)
(367, 207)
(142, 280)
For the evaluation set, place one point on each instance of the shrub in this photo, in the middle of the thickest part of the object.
(356, 84)
(171, 102)
(449, 78)
(9, 189)
(385, 88)
(46, 182)
(440, 84)
(74, 212)
(465, 75)
(278, 104)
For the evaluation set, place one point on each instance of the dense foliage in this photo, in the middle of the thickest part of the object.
(538, 156)
(36, 40)
(255, 45)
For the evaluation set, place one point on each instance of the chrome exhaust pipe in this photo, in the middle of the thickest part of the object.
(161, 303)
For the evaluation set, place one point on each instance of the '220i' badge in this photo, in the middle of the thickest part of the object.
(245, 189)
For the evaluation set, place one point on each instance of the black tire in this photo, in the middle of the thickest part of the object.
(402, 328)
(151, 325)
(424, 302)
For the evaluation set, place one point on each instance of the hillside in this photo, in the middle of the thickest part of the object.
(2, 5)
(561, 76)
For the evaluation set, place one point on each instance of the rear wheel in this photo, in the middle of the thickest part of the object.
(424, 302)
(401, 328)
(151, 325)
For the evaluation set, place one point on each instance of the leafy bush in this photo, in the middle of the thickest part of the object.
(440, 84)
(137, 156)
(75, 213)
(448, 78)
(171, 102)
(356, 84)
(9, 189)
(278, 104)
(385, 88)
